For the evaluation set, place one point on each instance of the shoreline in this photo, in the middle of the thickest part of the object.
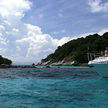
(47, 65)
(83, 64)
(17, 66)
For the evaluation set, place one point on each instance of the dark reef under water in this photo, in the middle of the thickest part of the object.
(52, 88)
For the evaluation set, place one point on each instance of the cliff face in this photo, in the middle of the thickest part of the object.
(75, 51)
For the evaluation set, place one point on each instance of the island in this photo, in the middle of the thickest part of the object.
(7, 63)
(75, 51)
(4, 62)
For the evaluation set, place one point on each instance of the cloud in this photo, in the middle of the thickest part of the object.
(3, 40)
(14, 8)
(101, 32)
(98, 6)
(7, 23)
(59, 32)
(15, 30)
(3, 44)
(64, 40)
(2, 27)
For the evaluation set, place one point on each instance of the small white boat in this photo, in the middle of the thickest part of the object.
(100, 64)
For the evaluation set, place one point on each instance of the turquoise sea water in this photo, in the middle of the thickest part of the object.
(52, 88)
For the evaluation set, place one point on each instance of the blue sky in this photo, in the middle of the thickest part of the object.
(66, 18)
(32, 29)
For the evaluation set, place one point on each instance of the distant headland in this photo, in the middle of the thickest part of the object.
(4, 62)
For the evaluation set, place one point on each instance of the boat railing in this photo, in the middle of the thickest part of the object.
(92, 56)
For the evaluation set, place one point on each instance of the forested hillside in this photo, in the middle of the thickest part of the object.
(76, 50)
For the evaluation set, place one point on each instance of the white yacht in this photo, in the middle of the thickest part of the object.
(100, 64)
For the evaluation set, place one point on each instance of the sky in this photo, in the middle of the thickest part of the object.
(32, 29)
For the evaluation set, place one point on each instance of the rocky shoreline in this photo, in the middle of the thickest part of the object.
(62, 63)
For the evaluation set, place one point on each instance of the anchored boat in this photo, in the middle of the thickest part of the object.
(100, 64)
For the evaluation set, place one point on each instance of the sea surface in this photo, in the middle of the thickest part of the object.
(55, 87)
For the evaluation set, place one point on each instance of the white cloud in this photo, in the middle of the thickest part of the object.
(64, 40)
(32, 29)
(59, 32)
(2, 27)
(101, 32)
(15, 30)
(14, 8)
(98, 6)
(12, 32)
(3, 40)
(7, 23)
(3, 44)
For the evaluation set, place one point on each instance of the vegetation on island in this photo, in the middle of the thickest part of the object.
(5, 61)
(77, 49)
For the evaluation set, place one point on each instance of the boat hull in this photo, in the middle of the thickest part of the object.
(101, 69)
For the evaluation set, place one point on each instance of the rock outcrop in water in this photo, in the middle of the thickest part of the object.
(75, 51)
